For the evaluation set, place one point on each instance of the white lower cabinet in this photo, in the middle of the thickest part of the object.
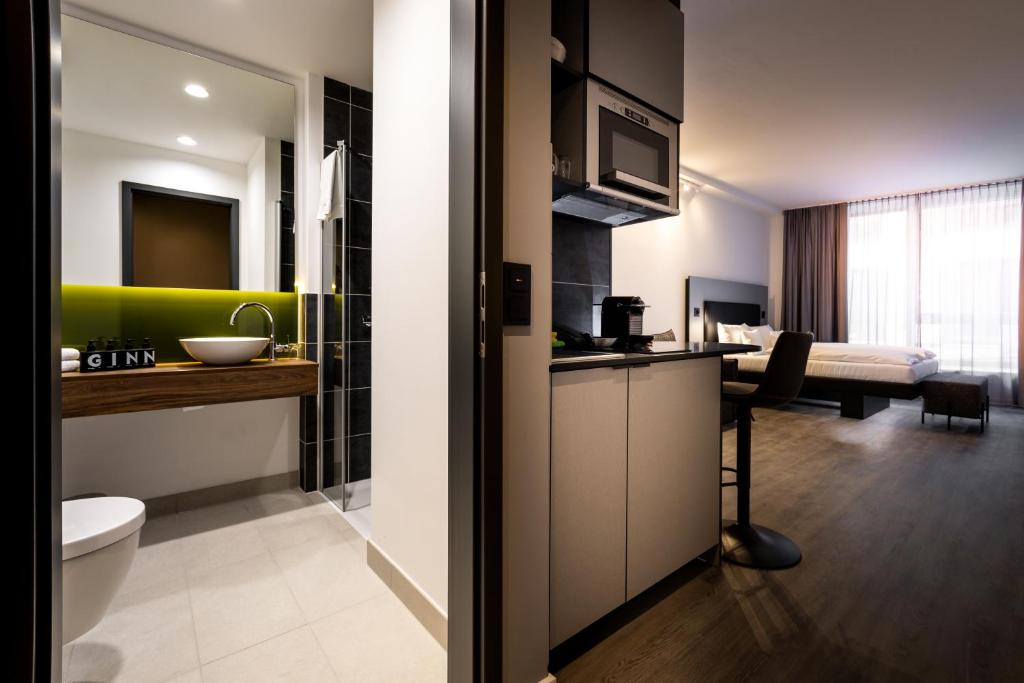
(674, 471)
(634, 482)
(588, 499)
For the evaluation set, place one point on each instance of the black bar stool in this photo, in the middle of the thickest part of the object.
(744, 543)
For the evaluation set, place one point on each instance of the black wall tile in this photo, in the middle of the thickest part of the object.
(358, 458)
(361, 127)
(307, 466)
(330, 407)
(336, 89)
(358, 364)
(307, 418)
(358, 412)
(360, 217)
(332, 365)
(336, 122)
(309, 317)
(287, 254)
(358, 275)
(332, 320)
(287, 148)
(362, 98)
(360, 177)
(287, 173)
(358, 310)
(287, 277)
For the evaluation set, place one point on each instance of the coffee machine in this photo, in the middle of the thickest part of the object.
(622, 317)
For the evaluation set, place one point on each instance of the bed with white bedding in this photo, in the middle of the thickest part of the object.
(862, 378)
(867, 363)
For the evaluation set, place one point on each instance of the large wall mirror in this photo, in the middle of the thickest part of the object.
(178, 171)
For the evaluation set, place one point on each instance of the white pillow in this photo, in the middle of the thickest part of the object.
(773, 337)
(730, 334)
(754, 337)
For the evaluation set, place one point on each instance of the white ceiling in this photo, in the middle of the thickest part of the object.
(127, 88)
(295, 37)
(812, 101)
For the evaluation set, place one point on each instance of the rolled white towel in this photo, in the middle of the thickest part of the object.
(69, 354)
(69, 366)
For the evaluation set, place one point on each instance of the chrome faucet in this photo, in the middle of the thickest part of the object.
(270, 317)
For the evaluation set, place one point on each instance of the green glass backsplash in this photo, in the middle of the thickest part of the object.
(166, 315)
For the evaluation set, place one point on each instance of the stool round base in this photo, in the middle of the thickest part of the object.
(758, 547)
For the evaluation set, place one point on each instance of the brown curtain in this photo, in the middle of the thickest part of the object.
(814, 272)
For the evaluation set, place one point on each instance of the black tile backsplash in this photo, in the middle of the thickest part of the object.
(581, 267)
(575, 306)
(581, 253)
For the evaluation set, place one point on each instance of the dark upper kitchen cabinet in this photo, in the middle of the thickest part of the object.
(637, 46)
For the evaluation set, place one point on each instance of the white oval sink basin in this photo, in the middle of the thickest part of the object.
(224, 350)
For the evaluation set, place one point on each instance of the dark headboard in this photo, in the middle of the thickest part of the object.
(728, 313)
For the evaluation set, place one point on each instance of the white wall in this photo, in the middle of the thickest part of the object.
(157, 453)
(712, 237)
(410, 289)
(92, 170)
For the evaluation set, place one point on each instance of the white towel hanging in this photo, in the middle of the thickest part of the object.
(332, 194)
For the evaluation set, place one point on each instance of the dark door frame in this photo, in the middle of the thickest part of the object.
(130, 189)
(31, 42)
(475, 341)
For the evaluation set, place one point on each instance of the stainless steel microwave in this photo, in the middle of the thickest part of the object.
(631, 162)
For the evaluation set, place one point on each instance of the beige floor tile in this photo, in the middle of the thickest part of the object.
(190, 677)
(309, 523)
(146, 637)
(294, 657)
(326, 578)
(239, 605)
(380, 642)
(277, 502)
(160, 555)
(219, 535)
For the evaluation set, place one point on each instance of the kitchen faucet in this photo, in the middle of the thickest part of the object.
(270, 317)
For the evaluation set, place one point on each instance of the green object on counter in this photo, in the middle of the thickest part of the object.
(166, 315)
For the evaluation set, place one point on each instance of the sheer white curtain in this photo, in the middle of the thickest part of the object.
(970, 281)
(941, 270)
(882, 271)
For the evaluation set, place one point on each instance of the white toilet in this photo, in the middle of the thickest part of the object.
(100, 537)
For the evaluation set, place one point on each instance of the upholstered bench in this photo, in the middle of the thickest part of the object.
(955, 395)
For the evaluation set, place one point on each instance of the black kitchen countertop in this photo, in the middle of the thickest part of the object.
(563, 360)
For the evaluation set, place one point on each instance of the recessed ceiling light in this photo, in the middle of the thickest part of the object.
(186, 140)
(196, 90)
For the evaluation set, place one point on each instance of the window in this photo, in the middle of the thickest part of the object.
(941, 270)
